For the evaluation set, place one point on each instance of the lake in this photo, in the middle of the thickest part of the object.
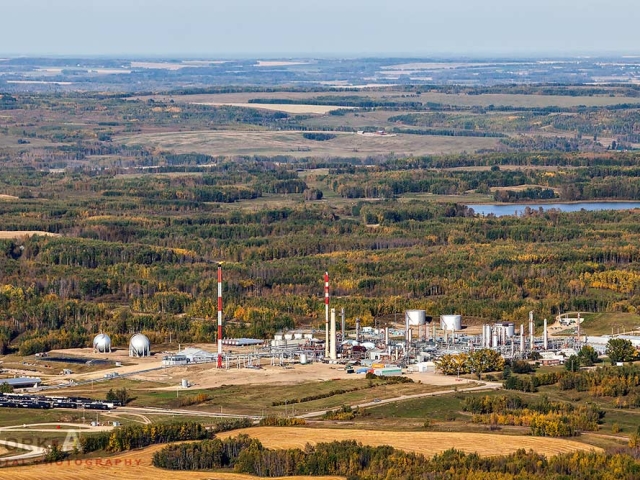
(517, 208)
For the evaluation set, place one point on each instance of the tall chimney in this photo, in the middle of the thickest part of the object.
(333, 349)
(531, 331)
(386, 336)
(343, 324)
(546, 336)
(484, 336)
(326, 315)
(220, 315)
(522, 338)
(358, 329)
(578, 327)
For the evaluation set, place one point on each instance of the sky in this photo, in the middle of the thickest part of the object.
(280, 28)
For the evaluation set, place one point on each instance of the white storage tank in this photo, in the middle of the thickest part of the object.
(278, 336)
(288, 336)
(303, 358)
(417, 318)
(102, 343)
(451, 322)
(139, 346)
(297, 336)
(185, 383)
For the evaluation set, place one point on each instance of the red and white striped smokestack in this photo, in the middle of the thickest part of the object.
(326, 319)
(219, 315)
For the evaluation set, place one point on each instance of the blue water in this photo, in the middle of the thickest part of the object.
(517, 208)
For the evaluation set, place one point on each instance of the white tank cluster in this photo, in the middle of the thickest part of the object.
(102, 343)
(500, 334)
(451, 323)
(139, 346)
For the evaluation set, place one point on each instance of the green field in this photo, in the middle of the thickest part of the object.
(608, 323)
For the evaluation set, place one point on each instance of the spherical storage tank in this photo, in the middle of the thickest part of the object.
(451, 322)
(139, 346)
(416, 317)
(102, 343)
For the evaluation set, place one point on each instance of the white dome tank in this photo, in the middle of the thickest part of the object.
(102, 343)
(451, 322)
(139, 346)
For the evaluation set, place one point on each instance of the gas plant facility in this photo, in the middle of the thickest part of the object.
(410, 345)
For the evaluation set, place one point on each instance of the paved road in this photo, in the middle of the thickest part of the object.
(32, 451)
(483, 387)
(35, 451)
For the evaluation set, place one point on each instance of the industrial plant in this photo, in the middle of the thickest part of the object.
(412, 345)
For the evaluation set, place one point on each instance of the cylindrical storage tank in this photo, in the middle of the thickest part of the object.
(451, 322)
(495, 339)
(102, 343)
(510, 329)
(297, 336)
(139, 346)
(303, 358)
(185, 383)
(278, 336)
(416, 317)
(288, 336)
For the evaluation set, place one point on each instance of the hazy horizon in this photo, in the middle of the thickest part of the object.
(328, 28)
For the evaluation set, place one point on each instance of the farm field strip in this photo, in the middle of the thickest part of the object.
(426, 443)
(279, 107)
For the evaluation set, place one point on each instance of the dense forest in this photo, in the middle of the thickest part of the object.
(138, 230)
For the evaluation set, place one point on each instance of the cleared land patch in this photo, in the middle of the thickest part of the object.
(8, 234)
(292, 143)
(279, 107)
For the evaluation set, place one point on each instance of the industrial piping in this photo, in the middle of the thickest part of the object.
(219, 315)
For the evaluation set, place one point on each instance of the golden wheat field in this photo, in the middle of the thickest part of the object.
(136, 465)
(426, 443)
